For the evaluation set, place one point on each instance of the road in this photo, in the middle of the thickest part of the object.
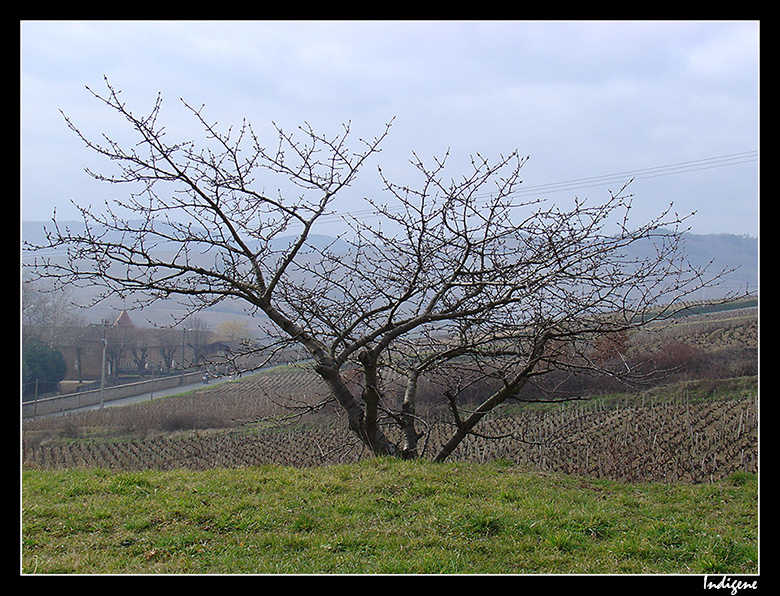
(154, 394)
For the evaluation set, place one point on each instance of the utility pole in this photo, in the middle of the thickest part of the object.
(183, 346)
(103, 365)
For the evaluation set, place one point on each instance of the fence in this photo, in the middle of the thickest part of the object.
(71, 401)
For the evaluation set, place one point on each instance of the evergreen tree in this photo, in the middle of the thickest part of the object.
(43, 364)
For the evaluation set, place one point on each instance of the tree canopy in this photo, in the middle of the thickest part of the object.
(450, 276)
(43, 367)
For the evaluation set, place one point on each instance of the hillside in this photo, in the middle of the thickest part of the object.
(699, 424)
(727, 251)
(663, 481)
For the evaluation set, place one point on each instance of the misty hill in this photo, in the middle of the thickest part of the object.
(727, 251)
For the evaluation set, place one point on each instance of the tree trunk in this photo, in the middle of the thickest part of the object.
(408, 430)
(509, 389)
(363, 423)
(374, 437)
(465, 426)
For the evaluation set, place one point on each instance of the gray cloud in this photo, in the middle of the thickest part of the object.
(583, 99)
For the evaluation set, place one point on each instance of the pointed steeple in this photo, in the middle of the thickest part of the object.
(123, 320)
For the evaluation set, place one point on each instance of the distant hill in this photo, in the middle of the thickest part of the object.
(727, 251)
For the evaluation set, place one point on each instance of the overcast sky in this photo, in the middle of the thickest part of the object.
(673, 103)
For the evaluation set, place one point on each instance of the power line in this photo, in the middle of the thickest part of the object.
(654, 172)
(683, 167)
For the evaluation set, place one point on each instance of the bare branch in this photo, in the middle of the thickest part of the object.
(445, 272)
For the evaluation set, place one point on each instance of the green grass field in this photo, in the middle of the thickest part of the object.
(382, 516)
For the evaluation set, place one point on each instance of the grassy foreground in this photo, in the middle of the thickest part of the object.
(382, 516)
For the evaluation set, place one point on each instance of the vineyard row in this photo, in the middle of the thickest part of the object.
(666, 442)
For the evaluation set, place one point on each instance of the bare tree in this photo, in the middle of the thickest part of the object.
(47, 312)
(446, 273)
(139, 345)
(198, 335)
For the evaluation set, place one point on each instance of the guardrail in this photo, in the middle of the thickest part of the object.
(71, 401)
